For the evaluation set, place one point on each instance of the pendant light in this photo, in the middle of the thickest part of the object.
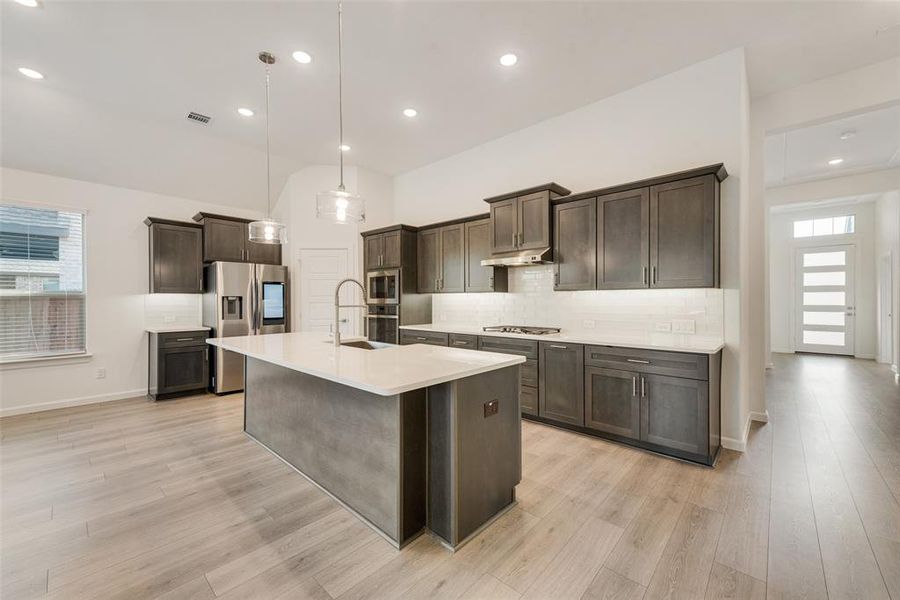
(268, 231)
(339, 205)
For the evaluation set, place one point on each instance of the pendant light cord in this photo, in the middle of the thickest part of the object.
(341, 90)
(268, 169)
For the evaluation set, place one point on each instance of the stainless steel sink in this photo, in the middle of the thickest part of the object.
(367, 345)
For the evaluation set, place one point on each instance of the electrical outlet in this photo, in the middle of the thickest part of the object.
(664, 326)
(101, 373)
(169, 319)
(683, 325)
(589, 324)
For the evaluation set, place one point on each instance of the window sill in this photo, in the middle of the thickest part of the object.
(43, 361)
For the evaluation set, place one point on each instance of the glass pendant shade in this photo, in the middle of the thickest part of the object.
(268, 232)
(340, 206)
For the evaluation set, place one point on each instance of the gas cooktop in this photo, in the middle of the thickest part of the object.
(521, 329)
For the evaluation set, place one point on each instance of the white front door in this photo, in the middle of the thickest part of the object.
(824, 299)
(321, 269)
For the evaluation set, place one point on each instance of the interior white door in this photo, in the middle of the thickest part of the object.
(885, 308)
(824, 300)
(321, 269)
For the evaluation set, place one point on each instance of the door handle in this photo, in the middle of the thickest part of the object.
(559, 346)
(421, 339)
(634, 360)
(633, 386)
(521, 238)
(643, 388)
(184, 339)
(644, 275)
(654, 275)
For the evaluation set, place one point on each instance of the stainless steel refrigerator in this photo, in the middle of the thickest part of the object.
(242, 299)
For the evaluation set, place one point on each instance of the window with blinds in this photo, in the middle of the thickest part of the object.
(42, 299)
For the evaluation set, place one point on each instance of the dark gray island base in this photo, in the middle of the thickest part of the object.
(444, 458)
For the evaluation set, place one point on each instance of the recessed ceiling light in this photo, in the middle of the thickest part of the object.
(508, 60)
(835, 161)
(28, 3)
(846, 135)
(31, 73)
(344, 148)
(246, 112)
(410, 112)
(302, 57)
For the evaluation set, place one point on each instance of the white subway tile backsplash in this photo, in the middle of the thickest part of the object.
(532, 301)
(172, 310)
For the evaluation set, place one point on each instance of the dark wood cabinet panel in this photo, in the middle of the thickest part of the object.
(533, 215)
(265, 254)
(658, 362)
(452, 253)
(575, 245)
(611, 402)
(478, 248)
(504, 226)
(224, 240)
(684, 223)
(391, 250)
(675, 413)
(561, 375)
(373, 249)
(428, 261)
(414, 336)
(176, 258)
(528, 400)
(179, 363)
(463, 340)
(623, 240)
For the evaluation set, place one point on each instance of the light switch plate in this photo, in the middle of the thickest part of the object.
(664, 326)
(683, 325)
(169, 319)
(589, 324)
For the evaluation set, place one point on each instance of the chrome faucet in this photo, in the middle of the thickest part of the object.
(338, 306)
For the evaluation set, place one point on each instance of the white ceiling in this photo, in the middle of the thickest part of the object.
(802, 154)
(120, 77)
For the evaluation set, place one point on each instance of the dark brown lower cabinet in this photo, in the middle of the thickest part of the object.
(179, 363)
(612, 402)
(675, 413)
(528, 399)
(561, 374)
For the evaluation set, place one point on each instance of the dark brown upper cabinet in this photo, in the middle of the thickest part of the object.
(429, 260)
(521, 220)
(575, 245)
(623, 240)
(176, 257)
(441, 259)
(684, 233)
(382, 250)
(227, 239)
(478, 247)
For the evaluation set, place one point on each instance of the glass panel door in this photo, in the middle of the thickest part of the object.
(824, 300)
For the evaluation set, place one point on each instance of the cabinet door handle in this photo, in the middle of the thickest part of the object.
(559, 346)
(643, 388)
(521, 238)
(633, 386)
(644, 275)
(184, 339)
(421, 339)
(491, 282)
(460, 343)
(654, 275)
(515, 240)
(635, 360)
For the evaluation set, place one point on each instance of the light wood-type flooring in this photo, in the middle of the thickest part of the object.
(134, 499)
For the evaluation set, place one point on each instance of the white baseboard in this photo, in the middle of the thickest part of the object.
(42, 406)
(865, 356)
(741, 444)
(760, 417)
(783, 350)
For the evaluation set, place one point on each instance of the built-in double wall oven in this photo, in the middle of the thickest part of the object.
(383, 287)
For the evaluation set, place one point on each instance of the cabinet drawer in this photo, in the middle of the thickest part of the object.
(462, 340)
(526, 348)
(673, 364)
(178, 339)
(434, 338)
(528, 373)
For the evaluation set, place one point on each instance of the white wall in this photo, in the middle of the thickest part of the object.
(887, 241)
(782, 282)
(297, 208)
(693, 117)
(117, 285)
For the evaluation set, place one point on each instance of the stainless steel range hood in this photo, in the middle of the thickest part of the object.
(519, 259)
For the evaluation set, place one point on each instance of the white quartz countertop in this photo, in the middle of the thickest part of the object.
(663, 341)
(386, 371)
(170, 329)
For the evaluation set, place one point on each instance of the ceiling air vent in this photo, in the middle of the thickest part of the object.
(197, 117)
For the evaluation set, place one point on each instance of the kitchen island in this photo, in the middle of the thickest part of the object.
(409, 438)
